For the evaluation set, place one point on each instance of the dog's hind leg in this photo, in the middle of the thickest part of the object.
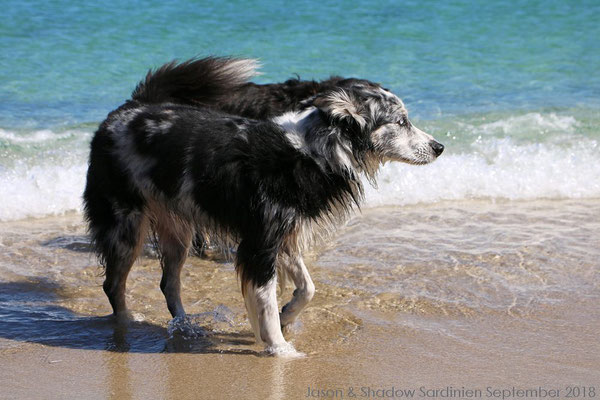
(174, 241)
(305, 290)
(119, 246)
(115, 211)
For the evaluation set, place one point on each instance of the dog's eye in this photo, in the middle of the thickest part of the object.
(403, 121)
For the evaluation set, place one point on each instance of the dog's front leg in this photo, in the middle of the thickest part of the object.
(305, 290)
(263, 313)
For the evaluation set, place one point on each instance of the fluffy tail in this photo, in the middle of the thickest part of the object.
(204, 80)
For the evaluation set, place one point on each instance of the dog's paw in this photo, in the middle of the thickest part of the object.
(284, 350)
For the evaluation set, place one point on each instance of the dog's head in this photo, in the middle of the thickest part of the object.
(375, 121)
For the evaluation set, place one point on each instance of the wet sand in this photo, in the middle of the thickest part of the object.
(470, 294)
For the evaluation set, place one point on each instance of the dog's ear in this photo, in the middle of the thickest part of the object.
(340, 105)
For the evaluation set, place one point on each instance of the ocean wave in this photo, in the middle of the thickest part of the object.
(39, 136)
(541, 123)
(497, 168)
(42, 172)
(38, 183)
(41, 190)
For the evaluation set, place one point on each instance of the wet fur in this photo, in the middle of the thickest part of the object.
(169, 162)
(207, 82)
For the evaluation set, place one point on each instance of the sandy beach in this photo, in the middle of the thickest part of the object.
(467, 295)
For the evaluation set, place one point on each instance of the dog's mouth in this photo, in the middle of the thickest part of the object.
(417, 162)
(411, 146)
(424, 154)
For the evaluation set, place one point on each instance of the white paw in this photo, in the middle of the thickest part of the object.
(285, 350)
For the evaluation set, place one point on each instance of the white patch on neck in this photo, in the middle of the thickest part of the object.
(294, 123)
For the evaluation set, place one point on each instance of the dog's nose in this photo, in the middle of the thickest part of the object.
(437, 147)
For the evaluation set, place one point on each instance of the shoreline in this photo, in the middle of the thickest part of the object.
(426, 295)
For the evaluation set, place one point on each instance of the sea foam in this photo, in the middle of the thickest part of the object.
(494, 168)
(533, 121)
(34, 137)
(43, 172)
(40, 190)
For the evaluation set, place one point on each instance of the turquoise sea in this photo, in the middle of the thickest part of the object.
(511, 88)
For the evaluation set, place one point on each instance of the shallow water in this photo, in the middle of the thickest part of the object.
(517, 155)
(476, 292)
(503, 257)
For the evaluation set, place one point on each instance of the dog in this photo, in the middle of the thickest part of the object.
(170, 166)
(193, 82)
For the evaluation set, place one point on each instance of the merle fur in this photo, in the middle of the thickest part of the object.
(198, 82)
(241, 169)
(171, 157)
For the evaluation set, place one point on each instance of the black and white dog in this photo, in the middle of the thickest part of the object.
(200, 82)
(168, 162)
